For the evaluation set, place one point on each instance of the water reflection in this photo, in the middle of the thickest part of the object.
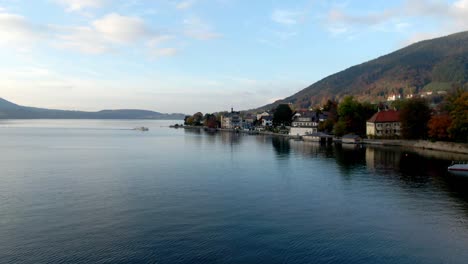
(193, 131)
(173, 194)
(409, 168)
(230, 138)
(313, 149)
(281, 146)
(350, 157)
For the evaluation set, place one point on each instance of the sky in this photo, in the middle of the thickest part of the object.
(198, 55)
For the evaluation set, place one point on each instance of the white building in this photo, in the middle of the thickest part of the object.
(231, 120)
(259, 116)
(267, 121)
(304, 123)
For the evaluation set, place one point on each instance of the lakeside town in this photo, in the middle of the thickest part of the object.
(439, 120)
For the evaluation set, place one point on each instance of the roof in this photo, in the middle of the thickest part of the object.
(319, 134)
(351, 136)
(385, 116)
(308, 114)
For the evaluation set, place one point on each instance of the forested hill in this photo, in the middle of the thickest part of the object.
(429, 65)
(9, 110)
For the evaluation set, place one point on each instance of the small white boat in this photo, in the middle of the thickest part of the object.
(141, 128)
(459, 168)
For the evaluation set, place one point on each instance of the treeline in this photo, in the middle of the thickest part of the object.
(450, 119)
(349, 116)
(447, 121)
(207, 120)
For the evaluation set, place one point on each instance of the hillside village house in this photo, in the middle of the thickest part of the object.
(385, 123)
(231, 120)
(248, 121)
(267, 120)
(304, 123)
(259, 116)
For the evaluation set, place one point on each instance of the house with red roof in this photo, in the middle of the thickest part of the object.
(385, 123)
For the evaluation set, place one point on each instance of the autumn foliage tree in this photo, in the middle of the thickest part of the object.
(331, 109)
(210, 121)
(458, 129)
(194, 120)
(438, 127)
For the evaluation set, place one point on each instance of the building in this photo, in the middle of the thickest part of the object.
(393, 97)
(248, 121)
(323, 116)
(267, 120)
(384, 124)
(351, 139)
(304, 123)
(231, 120)
(259, 116)
(318, 137)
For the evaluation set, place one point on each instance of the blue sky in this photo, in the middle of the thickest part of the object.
(198, 55)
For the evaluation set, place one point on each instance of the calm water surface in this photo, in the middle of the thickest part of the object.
(98, 192)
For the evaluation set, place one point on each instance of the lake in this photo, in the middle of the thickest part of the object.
(94, 191)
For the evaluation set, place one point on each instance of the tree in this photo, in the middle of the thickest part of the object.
(282, 115)
(194, 120)
(340, 128)
(331, 109)
(414, 116)
(353, 116)
(197, 119)
(438, 126)
(210, 121)
(326, 126)
(186, 120)
(458, 130)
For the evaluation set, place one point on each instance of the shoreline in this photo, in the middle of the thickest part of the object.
(452, 147)
(461, 148)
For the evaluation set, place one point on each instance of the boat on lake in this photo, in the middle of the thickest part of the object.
(141, 128)
(459, 168)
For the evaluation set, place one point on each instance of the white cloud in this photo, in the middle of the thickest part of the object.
(197, 29)
(286, 17)
(83, 39)
(419, 37)
(164, 52)
(18, 32)
(157, 40)
(104, 34)
(156, 51)
(450, 17)
(121, 29)
(185, 4)
(461, 4)
(79, 5)
(339, 17)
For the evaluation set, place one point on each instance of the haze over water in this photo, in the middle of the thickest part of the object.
(81, 191)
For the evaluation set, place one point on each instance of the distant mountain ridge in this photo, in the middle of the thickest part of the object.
(429, 65)
(9, 110)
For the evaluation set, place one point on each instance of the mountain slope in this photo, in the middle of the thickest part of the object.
(9, 110)
(433, 64)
